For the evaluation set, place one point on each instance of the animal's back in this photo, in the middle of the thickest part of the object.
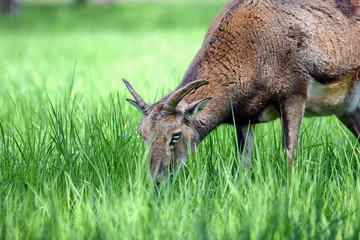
(277, 48)
(320, 32)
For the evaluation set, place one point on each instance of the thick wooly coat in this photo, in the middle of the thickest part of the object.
(261, 60)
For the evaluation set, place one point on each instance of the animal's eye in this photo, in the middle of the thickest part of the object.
(176, 137)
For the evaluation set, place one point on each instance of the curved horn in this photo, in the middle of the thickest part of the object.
(138, 100)
(178, 95)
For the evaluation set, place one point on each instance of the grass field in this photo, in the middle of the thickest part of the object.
(72, 165)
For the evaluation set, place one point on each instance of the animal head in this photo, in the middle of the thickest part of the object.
(168, 128)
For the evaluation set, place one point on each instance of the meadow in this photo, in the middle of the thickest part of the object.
(72, 165)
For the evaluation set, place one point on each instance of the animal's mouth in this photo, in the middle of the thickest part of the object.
(176, 166)
(171, 171)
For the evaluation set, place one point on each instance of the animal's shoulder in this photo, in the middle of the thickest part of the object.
(228, 9)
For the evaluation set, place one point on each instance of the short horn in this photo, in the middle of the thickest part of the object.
(178, 95)
(141, 103)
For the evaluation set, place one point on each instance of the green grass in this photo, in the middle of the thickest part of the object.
(73, 167)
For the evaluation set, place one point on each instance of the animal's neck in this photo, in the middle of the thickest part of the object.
(218, 110)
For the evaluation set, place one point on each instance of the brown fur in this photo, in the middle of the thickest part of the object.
(267, 54)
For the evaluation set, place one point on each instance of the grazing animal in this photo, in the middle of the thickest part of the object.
(260, 60)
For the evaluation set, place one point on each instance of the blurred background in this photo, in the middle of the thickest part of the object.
(121, 33)
(13, 6)
(56, 48)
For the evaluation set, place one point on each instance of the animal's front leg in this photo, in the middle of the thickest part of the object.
(245, 136)
(292, 111)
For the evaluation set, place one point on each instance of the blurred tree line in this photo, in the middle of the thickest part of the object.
(13, 6)
(9, 6)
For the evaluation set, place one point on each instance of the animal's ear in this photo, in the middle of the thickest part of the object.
(194, 109)
(135, 104)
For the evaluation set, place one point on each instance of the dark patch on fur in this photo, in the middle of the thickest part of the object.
(346, 7)
(298, 35)
(324, 79)
(329, 79)
(321, 11)
(234, 4)
(228, 84)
